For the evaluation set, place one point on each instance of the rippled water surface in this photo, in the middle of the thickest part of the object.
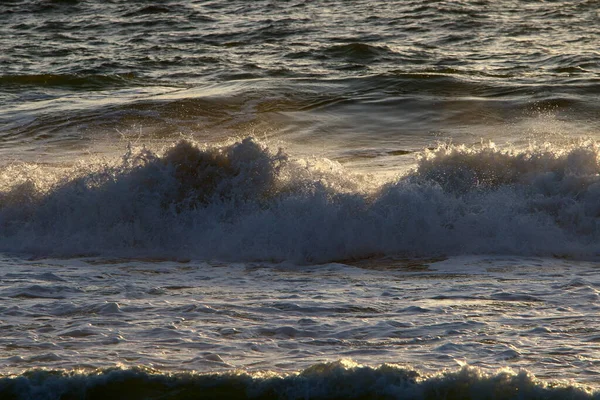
(333, 76)
(199, 41)
(299, 199)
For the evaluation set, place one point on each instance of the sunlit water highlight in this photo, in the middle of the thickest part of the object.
(212, 199)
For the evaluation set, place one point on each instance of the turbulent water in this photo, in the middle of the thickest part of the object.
(299, 199)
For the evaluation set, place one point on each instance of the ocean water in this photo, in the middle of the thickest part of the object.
(299, 199)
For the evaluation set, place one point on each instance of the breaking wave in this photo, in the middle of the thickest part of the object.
(244, 201)
(337, 380)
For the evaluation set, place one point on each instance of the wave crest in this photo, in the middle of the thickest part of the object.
(462, 169)
(342, 379)
(245, 202)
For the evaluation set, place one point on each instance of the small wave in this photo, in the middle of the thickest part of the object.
(72, 81)
(244, 201)
(336, 380)
(357, 51)
(148, 10)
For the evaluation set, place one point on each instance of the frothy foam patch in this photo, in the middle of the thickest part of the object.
(342, 379)
(245, 202)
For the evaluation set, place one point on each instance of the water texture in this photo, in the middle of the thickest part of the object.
(299, 199)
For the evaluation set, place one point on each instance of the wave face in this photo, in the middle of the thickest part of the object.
(336, 380)
(243, 202)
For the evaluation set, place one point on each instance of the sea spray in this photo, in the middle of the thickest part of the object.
(244, 201)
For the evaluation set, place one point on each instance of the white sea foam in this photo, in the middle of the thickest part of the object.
(342, 379)
(480, 311)
(245, 201)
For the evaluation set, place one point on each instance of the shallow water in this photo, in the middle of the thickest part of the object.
(419, 316)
